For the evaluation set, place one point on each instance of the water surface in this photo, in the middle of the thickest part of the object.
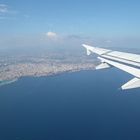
(84, 105)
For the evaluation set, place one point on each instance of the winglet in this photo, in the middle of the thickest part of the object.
(88, 48)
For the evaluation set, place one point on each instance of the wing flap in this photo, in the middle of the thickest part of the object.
(131, 70)
(121, 60)
(102, 66)
(134, 83)
(126, 56)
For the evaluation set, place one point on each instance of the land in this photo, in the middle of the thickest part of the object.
(14, 67)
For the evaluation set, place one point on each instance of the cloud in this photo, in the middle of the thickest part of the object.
(6, 12)
(3, 8)
(51, 35)
(64, 39)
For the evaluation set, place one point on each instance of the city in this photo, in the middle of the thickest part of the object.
(11, 69)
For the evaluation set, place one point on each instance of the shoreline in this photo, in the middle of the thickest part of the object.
(9, 81)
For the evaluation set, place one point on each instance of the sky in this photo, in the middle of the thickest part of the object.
(68, 23)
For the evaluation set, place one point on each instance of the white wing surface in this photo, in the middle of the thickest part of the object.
(127, 62)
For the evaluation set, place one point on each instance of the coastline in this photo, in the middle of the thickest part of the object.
(9, 81)
(6, 82)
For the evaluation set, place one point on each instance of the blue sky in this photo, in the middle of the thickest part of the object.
(51, 22)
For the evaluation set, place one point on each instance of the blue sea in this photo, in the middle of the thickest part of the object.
(86, 105)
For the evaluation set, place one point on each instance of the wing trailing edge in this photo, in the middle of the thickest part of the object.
(102, 66)
(129, 69)
(134, 83)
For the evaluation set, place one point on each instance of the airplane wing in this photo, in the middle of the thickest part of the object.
(127, 62)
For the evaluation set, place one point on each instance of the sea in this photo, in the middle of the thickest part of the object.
(85, 105)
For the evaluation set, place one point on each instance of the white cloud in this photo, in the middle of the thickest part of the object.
(3, 8)
(51, 35)
(6, 12)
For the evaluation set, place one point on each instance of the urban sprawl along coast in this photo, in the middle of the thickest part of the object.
(16, 67)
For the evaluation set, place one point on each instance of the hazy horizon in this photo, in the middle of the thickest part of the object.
(65, 25)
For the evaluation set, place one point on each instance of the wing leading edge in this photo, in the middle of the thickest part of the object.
(127, 62)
